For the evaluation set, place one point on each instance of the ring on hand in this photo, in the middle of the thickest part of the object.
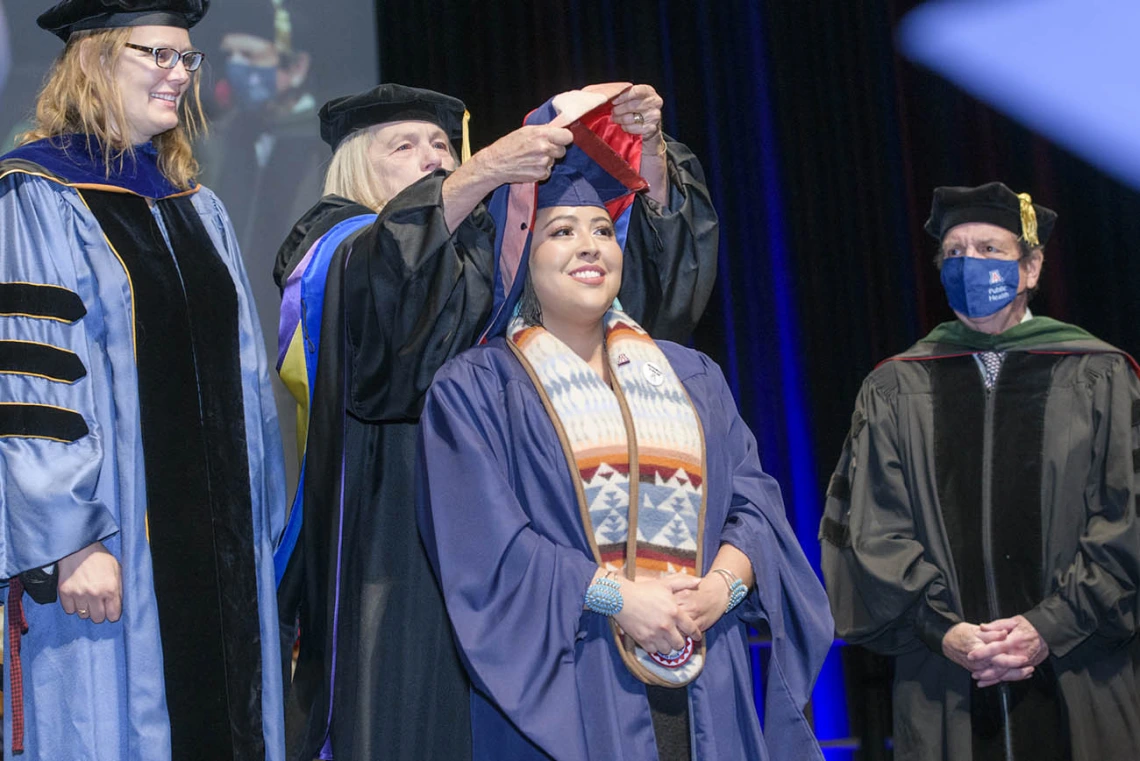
(638, 118)
(81, 611)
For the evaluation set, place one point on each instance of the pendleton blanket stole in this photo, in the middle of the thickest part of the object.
(636, 453)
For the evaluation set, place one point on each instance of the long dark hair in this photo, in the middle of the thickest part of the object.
(529, 308)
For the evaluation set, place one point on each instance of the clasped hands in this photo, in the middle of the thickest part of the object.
(660, 613)
(1005, 650)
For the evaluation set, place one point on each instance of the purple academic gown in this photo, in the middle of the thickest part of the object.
(500, 520)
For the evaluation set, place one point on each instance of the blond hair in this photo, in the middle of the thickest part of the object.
(350, 173)
(80, 96)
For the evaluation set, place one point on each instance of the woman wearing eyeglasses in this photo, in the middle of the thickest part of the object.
(140, 467)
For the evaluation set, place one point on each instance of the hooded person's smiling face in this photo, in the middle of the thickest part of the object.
(575, 263)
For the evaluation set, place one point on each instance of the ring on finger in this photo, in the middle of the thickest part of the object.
(638, 118)
(81, 611)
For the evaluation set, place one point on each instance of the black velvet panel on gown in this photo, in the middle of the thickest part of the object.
(197, 474)
(1032, 706)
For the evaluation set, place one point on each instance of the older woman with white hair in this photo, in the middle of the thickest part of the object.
(141, 484)
(384, 280)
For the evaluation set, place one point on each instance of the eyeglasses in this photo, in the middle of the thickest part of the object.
(168, 58)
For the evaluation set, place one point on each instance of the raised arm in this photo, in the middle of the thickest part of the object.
(525, 155)
(418, 282)
(671, 252)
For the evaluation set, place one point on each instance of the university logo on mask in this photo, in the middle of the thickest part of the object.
(978, 288)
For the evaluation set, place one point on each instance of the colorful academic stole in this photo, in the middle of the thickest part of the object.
(299, 344)
(636, 454)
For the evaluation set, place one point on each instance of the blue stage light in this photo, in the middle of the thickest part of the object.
(1065, 68)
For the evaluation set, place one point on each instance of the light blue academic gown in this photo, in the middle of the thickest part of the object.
(96, 691)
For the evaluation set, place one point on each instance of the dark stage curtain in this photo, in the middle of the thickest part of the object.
(822, 147)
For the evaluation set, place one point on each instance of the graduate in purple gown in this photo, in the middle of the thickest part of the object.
(595, 510)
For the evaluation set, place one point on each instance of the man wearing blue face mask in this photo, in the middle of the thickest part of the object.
(257, 72)
(981, 524)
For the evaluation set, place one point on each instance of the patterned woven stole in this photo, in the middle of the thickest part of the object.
(636, 445)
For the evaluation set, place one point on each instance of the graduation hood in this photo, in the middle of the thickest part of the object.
(603, 155)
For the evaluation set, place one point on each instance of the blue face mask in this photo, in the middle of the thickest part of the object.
(252, 85)
(979, 287)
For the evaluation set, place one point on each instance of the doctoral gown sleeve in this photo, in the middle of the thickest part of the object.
(416, 295)
(671, 254)
(885, 593)
(787, 597)
(514, 596)
(51, 444)
(1097, 593)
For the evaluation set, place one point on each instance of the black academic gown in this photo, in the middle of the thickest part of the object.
(403, 296)
(953, 503)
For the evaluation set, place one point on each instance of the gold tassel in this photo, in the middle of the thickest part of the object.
(1028, 220)
(465, 148)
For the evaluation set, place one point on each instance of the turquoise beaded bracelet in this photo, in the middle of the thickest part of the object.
(736, 589)
(604, 597)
